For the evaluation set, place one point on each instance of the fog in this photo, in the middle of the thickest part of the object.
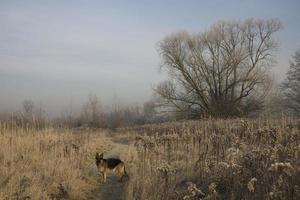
(56, 53)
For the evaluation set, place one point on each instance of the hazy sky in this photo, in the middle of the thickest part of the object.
(57, 51)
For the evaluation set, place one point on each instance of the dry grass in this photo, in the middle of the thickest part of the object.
(48, 164)
(217, 159)
(212, 159)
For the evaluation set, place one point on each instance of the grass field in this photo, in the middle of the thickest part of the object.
(217, 159)
(49, 163)
(208, 159)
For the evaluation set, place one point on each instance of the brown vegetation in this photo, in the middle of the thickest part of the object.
(217, 159)
(48, 164)
(208, 159)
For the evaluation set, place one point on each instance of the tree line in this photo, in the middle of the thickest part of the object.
(92, 114)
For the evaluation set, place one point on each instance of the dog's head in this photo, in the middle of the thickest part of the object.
(99, 157)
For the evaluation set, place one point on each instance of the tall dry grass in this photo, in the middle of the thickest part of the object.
(217, 159)
(48, 164)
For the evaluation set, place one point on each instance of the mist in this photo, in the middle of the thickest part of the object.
(57, 53)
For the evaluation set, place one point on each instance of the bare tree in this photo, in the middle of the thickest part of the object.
(91, 111)
(28, 106)
(291, 86)
(149, 110)
(220, 72)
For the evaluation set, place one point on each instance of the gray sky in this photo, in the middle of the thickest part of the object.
(59, 51)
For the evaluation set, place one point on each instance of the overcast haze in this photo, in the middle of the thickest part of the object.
(57, 52)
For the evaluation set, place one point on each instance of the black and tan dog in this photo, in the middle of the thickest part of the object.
(114, 164)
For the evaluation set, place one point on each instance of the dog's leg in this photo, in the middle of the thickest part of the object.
(125, 174)
(119, 173)
(104, 177)
(121, 178)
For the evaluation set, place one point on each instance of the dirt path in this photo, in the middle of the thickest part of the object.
(112, 189)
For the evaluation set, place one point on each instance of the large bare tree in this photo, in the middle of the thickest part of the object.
(220, 72)
(291, 86)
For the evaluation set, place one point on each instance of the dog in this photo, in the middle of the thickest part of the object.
(114, 164)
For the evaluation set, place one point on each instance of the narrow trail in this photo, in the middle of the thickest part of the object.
(112, 189)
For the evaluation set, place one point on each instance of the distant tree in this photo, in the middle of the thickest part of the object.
(31, 115)
(68, 116)
(273, 105)
(291, 86)
(28, 106)
(149, 110)
(91, 112)
(220, 72)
